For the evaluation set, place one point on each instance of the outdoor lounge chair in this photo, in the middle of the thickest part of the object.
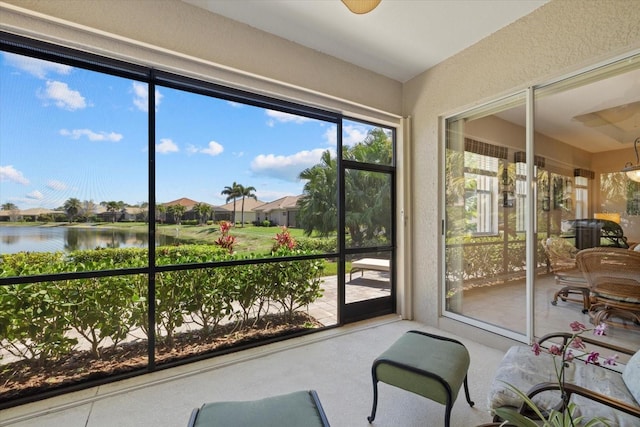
(597, 391)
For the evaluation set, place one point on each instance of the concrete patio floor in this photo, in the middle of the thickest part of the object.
(335, 362)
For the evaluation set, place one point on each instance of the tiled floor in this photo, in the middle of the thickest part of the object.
(336, 363)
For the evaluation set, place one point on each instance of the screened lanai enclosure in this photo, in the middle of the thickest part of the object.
(114, 260)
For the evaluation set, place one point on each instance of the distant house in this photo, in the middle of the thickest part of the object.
(32, 214)
(282, 212)
(126, 214)
(225, 212)
(189, 212)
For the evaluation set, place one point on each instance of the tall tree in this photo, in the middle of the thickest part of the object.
(232, 193)
(72, 206)
(367, 194)
(113, 207)
(161, 213)
(245, 192)
(9, 207)
(202, 210)
(88, 208)
(318, 204)
(12, 209)
(177, 211)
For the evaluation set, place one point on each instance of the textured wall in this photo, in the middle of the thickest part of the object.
(562, 36)
(183, 28)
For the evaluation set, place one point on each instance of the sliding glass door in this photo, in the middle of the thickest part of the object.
(529, 181)
(484, 221)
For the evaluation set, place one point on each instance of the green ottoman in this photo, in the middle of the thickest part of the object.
(429, 365)
(299, 409)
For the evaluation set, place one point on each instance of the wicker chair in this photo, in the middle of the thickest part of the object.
(561, 259)
(613, 275)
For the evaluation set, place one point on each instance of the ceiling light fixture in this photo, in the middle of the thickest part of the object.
(633, 171)
(361, 6)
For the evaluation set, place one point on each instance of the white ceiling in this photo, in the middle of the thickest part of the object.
(402, 38)
(398, 39)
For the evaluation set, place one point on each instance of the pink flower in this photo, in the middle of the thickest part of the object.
(536, 348)
(569, 356)
(555, 350)
(577, 326)
(611, 360)
(593, 358)
(601, 329)
(578, 343)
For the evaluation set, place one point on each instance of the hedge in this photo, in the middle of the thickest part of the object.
(42, 321)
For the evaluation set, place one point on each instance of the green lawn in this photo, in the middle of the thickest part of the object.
(249, 239)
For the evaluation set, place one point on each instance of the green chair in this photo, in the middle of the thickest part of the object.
(432, 366)
(297, 409)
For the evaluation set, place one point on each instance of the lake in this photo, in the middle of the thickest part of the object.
(67, 239)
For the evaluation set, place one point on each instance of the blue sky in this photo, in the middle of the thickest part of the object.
(67, 132)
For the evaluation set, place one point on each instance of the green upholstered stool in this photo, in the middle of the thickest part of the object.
(429, 365)
(299, 409)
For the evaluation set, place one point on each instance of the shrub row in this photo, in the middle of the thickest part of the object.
(44, 321)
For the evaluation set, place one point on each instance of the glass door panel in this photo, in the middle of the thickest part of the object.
(585, 127)
(369, 181)
(485, 192)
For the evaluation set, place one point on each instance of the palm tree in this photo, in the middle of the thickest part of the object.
(177, 211)
(161, 213)
(232, 193)
(113, 207)
(72, 206)
(12, 209)
(202, 210)
(245, 192)
(318, 205)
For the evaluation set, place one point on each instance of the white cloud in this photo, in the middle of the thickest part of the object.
(62, 96)
(56, 185)
(281, 117)
(166, 146)
(213, 149)
(331, 136)
(9, 173)
(36, 67)
(91, 135)
(35, 195)
(353, 134)
(235, 104)
(141, 96)
(286, 167)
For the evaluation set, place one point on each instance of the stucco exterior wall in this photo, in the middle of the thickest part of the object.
(561, 37)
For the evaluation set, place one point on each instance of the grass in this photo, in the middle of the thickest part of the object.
(249, 239)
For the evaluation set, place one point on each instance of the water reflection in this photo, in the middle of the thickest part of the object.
(67, 239)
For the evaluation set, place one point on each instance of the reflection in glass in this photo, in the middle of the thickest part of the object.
(485, 195)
